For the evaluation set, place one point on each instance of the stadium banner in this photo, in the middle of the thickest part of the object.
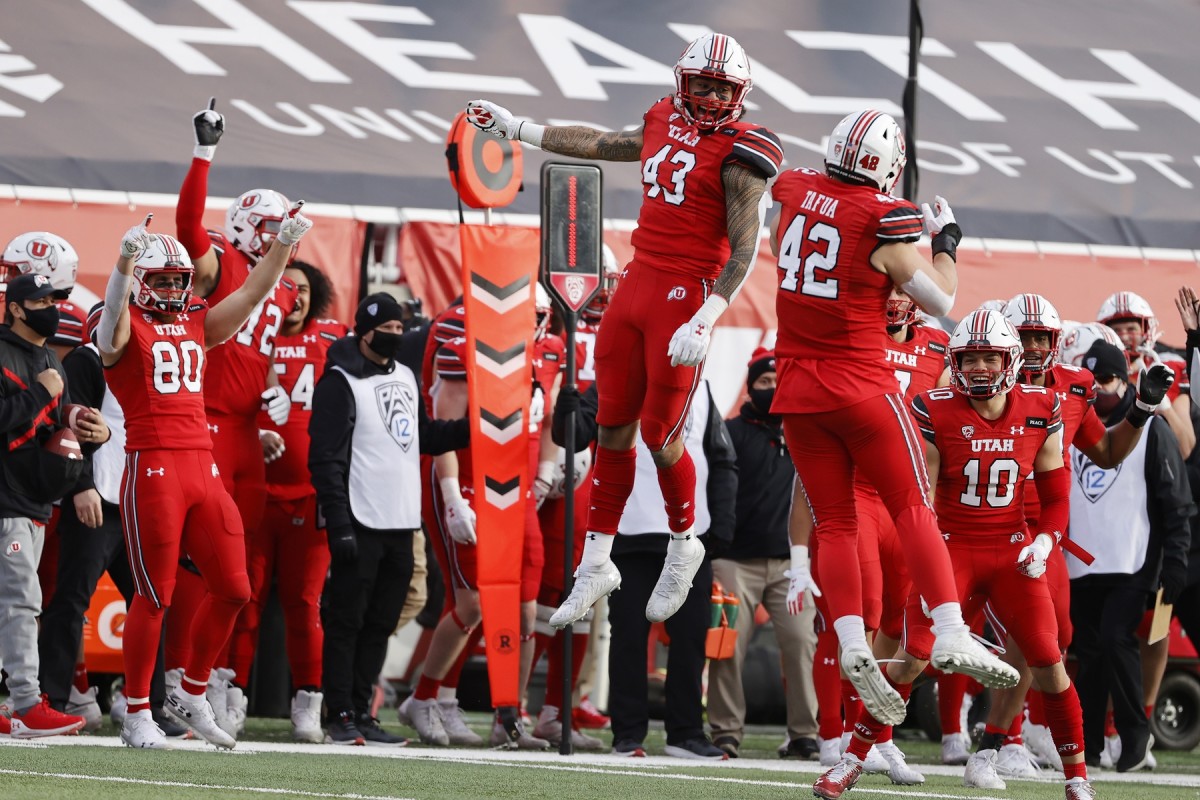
(1079, 128)
(499, 265)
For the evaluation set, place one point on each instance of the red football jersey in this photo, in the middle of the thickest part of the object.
(1076, 391)
(984, 463)
(159, 382)
(299, 363)
(585, 354)
(549, 359)
(446, 326)
(831, 302)
(682, 223)
(238, 367)
(451, 365)
(71, 322)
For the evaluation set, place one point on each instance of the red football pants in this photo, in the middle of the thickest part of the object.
(886, 584)
(173, 500)
(878, 438)
(289, 547)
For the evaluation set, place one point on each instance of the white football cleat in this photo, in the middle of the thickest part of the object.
(898, 769)
(955, 749)
(1014, 761)
(196, 712)
(960, 652)
(306, 717)
(591, 583)
(1111, 753)
(235, 711)
(830, 751)
(425, 717)
(219, 681)
(675, 580)
(455, 724)
(874, 763)
(117, 710)
(140, 731)
(981, 771)
(1040, 742)
(83, 704)
(878, 696)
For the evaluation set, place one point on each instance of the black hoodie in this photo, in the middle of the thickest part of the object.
(765, 477)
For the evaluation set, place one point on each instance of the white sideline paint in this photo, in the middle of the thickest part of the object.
(650, 767)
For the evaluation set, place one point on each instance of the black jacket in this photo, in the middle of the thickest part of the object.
(765, 478)
(331, 428)
(28, 417)
(1169, 506)
(722, 485)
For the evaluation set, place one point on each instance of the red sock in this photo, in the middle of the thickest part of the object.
(932, 574)
(867, 729)
(427, 688)
(210, 631)
(1014, 730)
(678, 484)
(851, 705)
(143, 629)
(1066, 726)
(951, 688)
(827, 684)
(81, 678)
(1149, 711)
(1110, 727)
(1037, 708)
(612, 483)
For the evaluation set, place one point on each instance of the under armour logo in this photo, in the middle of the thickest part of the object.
(161, 471)
(919, 350)
(677, 293)
(214, 428)
(39, 88)
(829, 662)
(1017, 430)
(297, 521)
(310, 338)
(1016, 537)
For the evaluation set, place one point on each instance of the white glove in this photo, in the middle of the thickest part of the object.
(493, 119)
(460, 517)
(537, 408)
(689, 344)
(294, 226)
(272, 445)
(136, 240)
(934, 222)
(544, 481)
(1031, 561)
(800, 578)
(277, 404)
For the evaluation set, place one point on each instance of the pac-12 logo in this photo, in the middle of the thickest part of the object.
(398, 410)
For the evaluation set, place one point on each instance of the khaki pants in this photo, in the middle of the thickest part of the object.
(755, 581)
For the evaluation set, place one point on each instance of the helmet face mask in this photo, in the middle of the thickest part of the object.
(165, 256)
(41, 253)
(1032, 313)
(985, 332)
(868, 148)
(252, 221)
(716, 57)
(901, 311)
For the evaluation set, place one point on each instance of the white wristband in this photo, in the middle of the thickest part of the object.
(799, 555)
(530, 133)
(712, 309)
(451, 491)
(205, 152)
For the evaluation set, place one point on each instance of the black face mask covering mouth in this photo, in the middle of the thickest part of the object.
(761, 399)
(385, 345)
(42, 321)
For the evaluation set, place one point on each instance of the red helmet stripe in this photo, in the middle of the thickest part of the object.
(854, 140)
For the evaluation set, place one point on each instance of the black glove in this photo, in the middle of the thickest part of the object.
(568, 400)
(1153, 383)
(343, 545)
(209, 125)
(1173, 580)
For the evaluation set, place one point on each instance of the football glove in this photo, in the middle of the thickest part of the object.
(799, 579)
(294, 226)
(343, 545)
(272, 445)
(277, 404)
(494, 119)
(1152, 385)
(689, 344)
(208, 125)
(460, 517)
(136, 240)
(938, 217)
(544, 481)
(1031, 561)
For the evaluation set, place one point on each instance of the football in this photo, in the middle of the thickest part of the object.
(71, 412)
(65, 444)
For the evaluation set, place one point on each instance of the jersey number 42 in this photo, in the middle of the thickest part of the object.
(816, 250)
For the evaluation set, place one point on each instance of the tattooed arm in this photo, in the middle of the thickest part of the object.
(744, 211)
(583, 142)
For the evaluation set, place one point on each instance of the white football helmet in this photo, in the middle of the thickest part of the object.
(252, 221)
(901, 311)
(717, 56)
(995, 304)
(593, 312)
(1032, 312)
(985, 331)
(544, 310)
(867, 147)
(1123, 306)
(41, 253)
(583, 464)
(1077, 340)
(164, 254)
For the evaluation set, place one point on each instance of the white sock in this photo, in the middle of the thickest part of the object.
(947, 618)
(447, 693)
(597, 549)
(851, 633)
(682, 543)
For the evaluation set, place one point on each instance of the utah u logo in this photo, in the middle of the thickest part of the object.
(1016, 537)
(677, 293)
(249, 200)
(38, 248)
(398, 410)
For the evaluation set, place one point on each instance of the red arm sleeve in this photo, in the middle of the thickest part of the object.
(1054, 490)
(189, 213)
